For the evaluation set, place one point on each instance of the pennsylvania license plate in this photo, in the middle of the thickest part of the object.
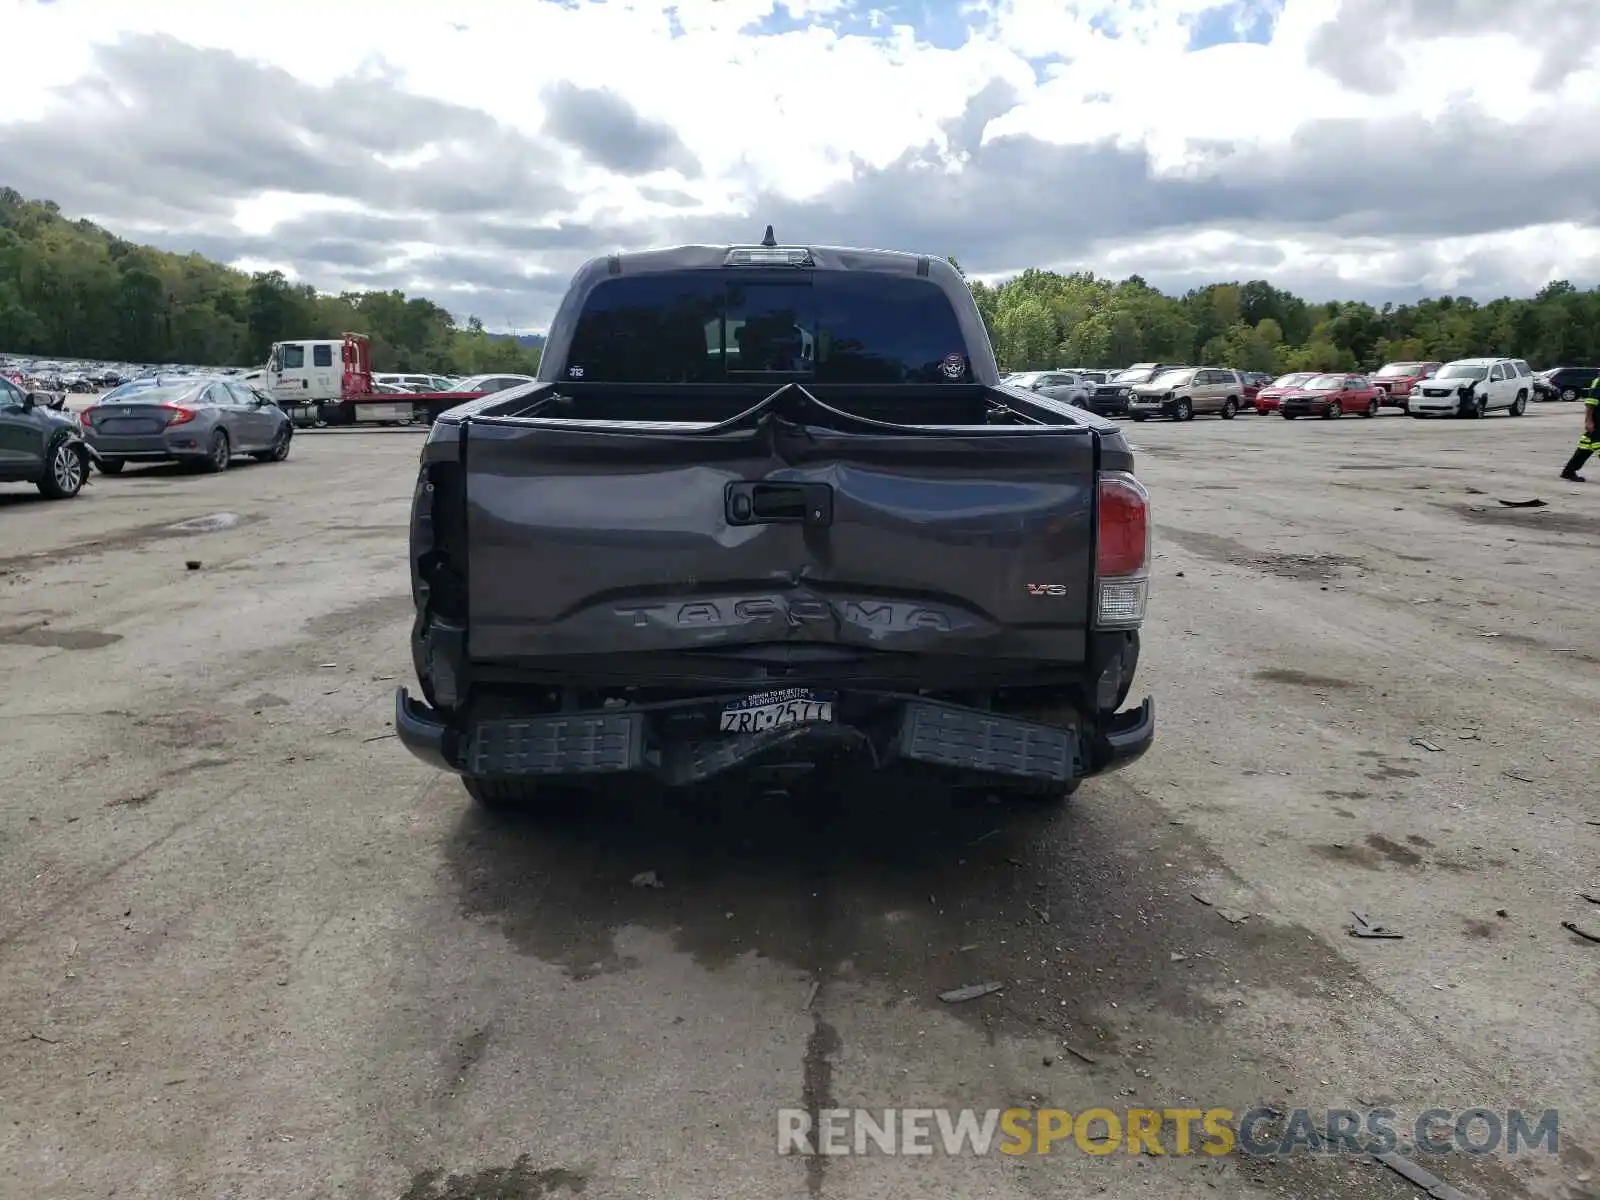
(777, 710)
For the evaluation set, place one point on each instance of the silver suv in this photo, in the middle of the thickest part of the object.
(1184, 391)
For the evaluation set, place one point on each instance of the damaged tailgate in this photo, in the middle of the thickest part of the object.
(791, 522)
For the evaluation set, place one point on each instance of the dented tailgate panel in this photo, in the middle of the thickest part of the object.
(584, 540)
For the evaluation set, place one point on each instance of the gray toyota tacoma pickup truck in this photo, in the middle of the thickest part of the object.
(769, 509)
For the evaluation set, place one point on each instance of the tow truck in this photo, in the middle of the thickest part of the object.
(302, 378)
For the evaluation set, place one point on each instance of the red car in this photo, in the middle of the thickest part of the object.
(1331, 396)
(1266, 400)
(1395, 380)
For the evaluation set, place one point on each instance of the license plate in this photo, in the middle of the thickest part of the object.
(777, 710)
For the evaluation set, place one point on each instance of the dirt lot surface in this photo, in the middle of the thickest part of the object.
(250, 948)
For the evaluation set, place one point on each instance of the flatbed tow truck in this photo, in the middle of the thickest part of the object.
(302, 378)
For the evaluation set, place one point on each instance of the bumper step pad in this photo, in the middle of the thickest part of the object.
(966, 739)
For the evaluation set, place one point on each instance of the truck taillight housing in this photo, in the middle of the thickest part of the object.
(83, 418)
(1122, 551)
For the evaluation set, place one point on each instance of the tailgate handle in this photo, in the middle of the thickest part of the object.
(780, 504)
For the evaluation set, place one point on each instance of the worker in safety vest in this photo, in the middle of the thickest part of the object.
(1589, 443)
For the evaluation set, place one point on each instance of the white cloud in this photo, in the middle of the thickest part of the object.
(796, 101)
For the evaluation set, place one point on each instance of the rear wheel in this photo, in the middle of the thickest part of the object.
(1520, 404)
(64, 472)
(501, 796)
(1229, 407)
(219, 454)
(1569, 393)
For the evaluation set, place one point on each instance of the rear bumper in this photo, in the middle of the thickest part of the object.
(969, 743)
(160, 447)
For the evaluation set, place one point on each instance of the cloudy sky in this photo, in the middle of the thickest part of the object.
(477, 151)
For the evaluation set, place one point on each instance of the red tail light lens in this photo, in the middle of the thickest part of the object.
(1123, 535)
(180, 415)
(83, 418)
(1122, 552)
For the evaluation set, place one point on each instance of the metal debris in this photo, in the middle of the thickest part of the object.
(1078, 1054)
(1517, 775)
(971, 991)
(1587, 935)
(1426, 745)
(1233, 916)
(1364, 928)
(1523, 503)
(648, 879)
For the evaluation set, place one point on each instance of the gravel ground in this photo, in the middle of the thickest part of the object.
(249, 948)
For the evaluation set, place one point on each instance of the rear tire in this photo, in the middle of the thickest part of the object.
(1229, 408)
(1569, 393)
(65, 469)
(1048, 794)
(1519, 405)
(501, 796)
(218, 454)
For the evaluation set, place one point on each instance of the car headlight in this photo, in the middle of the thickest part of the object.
(1125, 393)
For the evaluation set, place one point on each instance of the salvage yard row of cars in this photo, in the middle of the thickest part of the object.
(1468, 387)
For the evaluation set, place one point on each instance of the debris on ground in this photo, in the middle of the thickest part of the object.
(1364, 928)
(1523, 503)
(1587, 935)
(1591, 897)
(811, 993)
(1201, 898)
(1233, 916)
(1517, 775)
(647, 879)
(1178, 956)
(1078, 1054)
(192, 564)
(1500, 912)
(1426, 745)
(971, 991)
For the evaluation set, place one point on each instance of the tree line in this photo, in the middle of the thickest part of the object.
(1042, 319)
(69, 289)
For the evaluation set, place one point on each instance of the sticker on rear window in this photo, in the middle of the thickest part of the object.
(953, 366)
(574, 372)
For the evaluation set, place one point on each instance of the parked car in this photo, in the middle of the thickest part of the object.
(1110, 399)
(1565, 383)
(1183, 392)
(40, 444)
(1397, 380)
(1268, 398)
(1094, 378)
(484, 384)
(1065, 386)
(1473, 387)
(1254, 381)
(777, 566)
(202, 421)
(1330, 396)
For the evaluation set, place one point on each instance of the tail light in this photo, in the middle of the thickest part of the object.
(180, 415)
(83, 418)
(1122, 551)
